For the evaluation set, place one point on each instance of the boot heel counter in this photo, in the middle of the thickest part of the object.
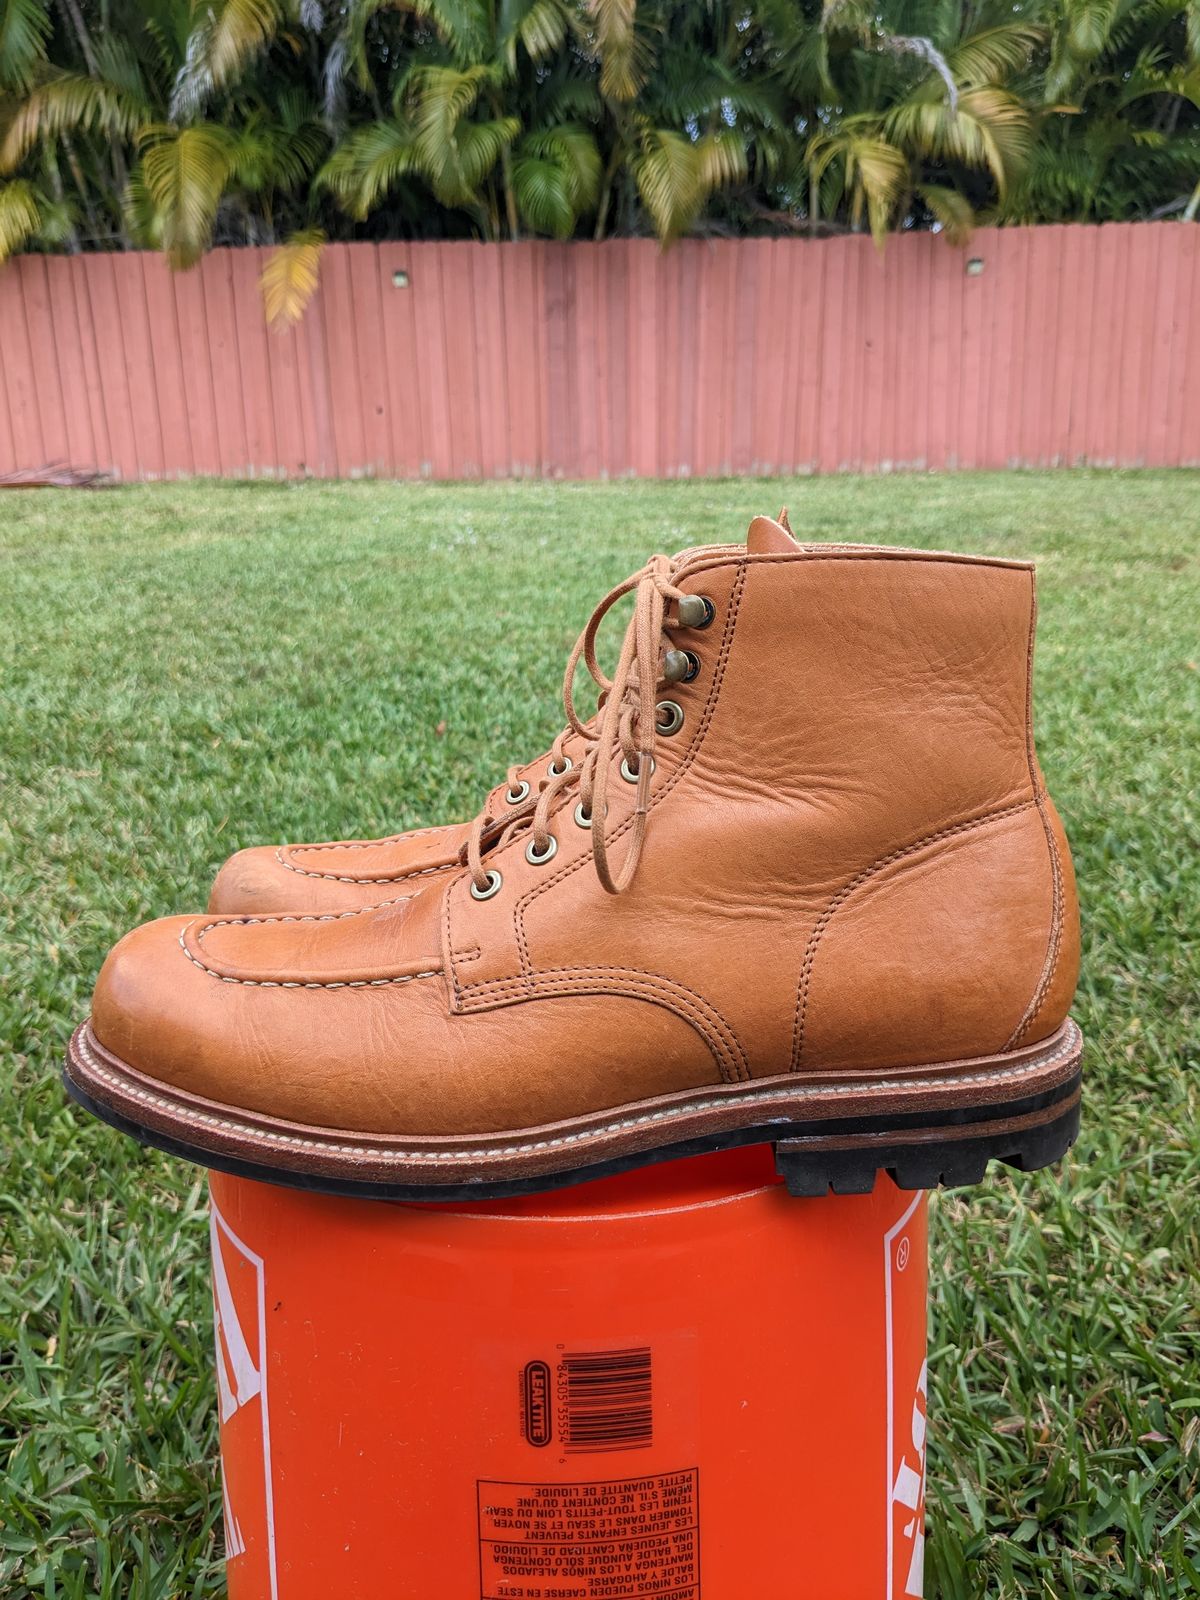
(938, 954)
(1060, 975)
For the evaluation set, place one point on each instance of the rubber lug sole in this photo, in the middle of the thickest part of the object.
(932, 1165)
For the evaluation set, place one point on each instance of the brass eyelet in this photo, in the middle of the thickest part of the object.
(493, 886)
(554, 771)
(515, 796)
(629, 774)
(693, 670)
(696, 611)
(668, 717)
(583, 818)
(538, 857)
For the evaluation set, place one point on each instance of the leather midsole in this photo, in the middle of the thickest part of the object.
(936, 1092)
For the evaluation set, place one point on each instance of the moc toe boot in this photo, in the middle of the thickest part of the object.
(812, 892)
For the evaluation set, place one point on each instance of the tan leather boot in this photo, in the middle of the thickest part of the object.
(346, 874)
(816, 895)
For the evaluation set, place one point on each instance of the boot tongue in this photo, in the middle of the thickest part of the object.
(768, 537)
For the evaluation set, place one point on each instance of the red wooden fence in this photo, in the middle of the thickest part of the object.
(1033, 347)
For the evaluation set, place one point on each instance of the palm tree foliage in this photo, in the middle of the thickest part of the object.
(177, 124)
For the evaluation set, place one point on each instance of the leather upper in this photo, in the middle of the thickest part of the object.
(850, 865)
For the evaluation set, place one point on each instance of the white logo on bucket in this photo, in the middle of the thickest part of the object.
(239, 1318)
(906, 1462)
(909, 1488)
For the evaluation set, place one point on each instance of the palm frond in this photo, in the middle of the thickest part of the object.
(572, 148)
(556, 178)
(1087, 26)
(543, 195)
(24, 30)
(453, 153)
(367, 164)
(722, 159)
(669, 174)
(289, 279)
(266, 153)
(20, 216)
(185, 171)
(466, 26)
(878, 173)
(994, 54)
(143, 220)
(225, 36)
(541, 26)
(991, 129)
(66, 103)
(477, 148)
(623, 56)
(951, 210)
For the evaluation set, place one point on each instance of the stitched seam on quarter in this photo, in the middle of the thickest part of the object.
(856, 882)
(646, 1118)
(697, 1011)
(299, 983)
(657, 796)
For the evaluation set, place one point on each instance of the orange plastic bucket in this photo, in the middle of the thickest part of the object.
(678, 1384)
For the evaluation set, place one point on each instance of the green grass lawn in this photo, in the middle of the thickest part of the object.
(189, 669)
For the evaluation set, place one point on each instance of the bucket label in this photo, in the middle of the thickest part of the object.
(616, 1539)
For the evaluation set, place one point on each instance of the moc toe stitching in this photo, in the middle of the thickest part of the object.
(198, 933)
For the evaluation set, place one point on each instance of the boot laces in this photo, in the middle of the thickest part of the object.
(624, 723)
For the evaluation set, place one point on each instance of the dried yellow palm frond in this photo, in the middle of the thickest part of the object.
(67, 103)
(19, 216)
(722, 159)
(670, 180)
(623, 57)
(989, 128)
(185, 171)
(289, 279)
(952, 210)
(877, 172)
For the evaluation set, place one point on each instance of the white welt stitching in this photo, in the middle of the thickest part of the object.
(280, 983)
(787, 1090)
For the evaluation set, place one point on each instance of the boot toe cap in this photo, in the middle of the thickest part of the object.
(254, 880)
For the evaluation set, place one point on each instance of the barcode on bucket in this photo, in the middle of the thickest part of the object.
(606, 1401)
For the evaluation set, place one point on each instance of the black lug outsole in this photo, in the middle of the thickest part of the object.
(924, 1163)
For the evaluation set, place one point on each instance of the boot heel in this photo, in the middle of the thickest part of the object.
(815, 1162)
